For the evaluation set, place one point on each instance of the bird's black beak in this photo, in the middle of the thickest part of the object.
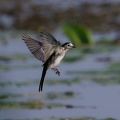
(73, 47)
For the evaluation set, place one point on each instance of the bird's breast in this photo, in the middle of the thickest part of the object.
(57, 61)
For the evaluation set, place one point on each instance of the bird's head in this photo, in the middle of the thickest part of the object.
(68, 45)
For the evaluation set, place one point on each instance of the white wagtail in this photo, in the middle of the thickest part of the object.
(48, 50)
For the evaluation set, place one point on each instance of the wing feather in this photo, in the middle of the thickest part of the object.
(49, 44)
(34, 46)
(43, 49)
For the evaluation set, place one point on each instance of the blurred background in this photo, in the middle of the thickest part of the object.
(89, 85)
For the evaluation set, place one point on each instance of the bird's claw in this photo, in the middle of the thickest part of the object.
(58, 73)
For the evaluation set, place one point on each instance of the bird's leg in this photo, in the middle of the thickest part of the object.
(56, 71)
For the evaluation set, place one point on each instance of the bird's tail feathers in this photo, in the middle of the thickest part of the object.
(45, 67)
(42, 78)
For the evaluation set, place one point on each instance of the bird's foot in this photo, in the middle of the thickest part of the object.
(56, 71)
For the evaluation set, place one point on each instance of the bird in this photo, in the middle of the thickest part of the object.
(48, 50)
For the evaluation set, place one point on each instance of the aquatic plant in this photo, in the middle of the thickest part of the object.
(78, 34)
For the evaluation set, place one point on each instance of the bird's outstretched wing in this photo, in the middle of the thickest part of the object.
(34, 46)
(49, 44)
(41, 49)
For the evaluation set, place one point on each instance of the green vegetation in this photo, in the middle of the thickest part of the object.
(63, 81)
(28, 104)
(55, 118)
(9, 95)
(18, 84)
(115, 66)
(78, 34)
(100, 77)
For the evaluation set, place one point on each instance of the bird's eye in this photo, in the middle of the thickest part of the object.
(68, 45)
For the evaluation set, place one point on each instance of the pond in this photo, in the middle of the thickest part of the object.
(88, 88)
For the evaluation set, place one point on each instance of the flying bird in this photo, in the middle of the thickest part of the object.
(48, 50)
